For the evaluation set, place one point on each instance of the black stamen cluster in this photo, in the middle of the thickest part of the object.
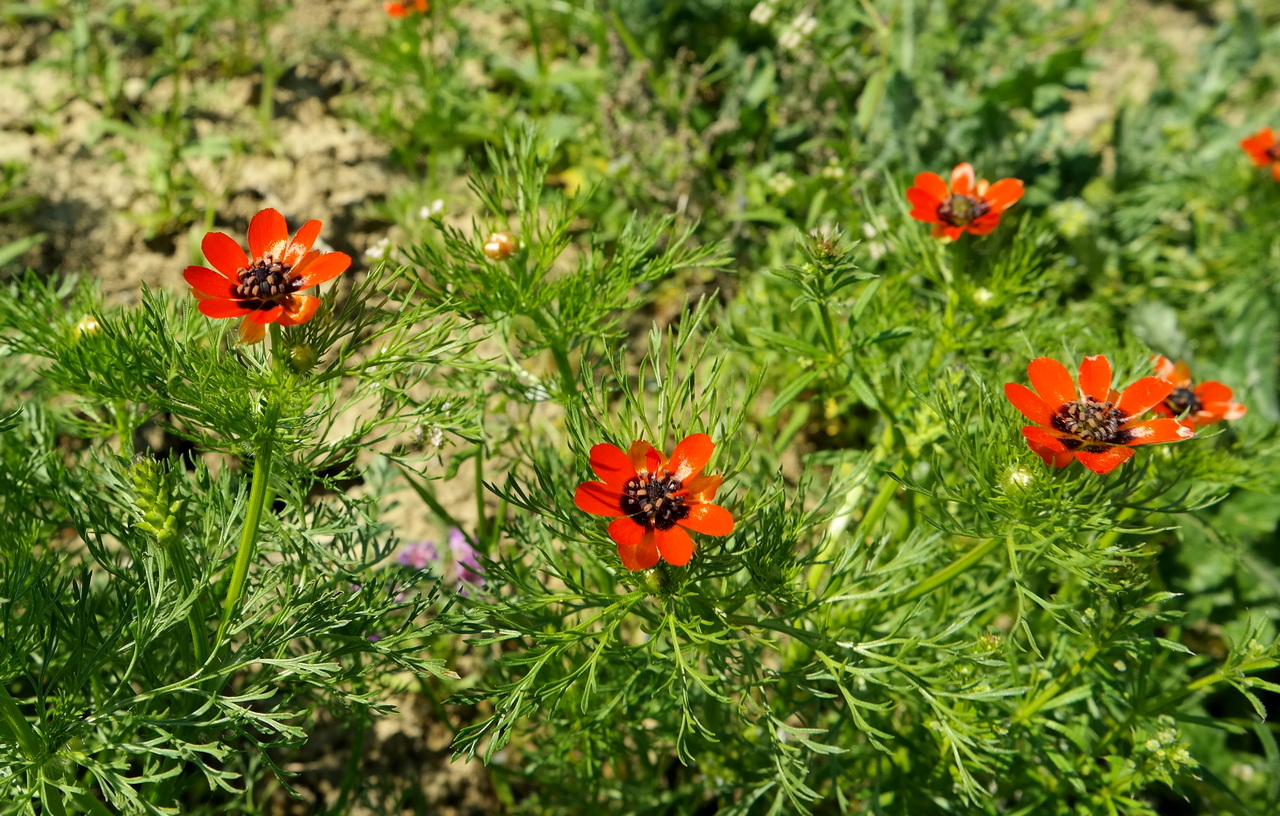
(264, 284)
(1091, 421)
(959, 210)
(654, 501)
(1182, 400)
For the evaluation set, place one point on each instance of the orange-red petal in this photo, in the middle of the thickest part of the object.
(299, 309)
(1154, 431)
(675, 545)
(1050, 456)
(1028, 403)
(612, 465)
(209, 282)
(625, 532)
(265, 316)
(932, 185)
(709, 519)
(1004, 193)
(251, 332)
(690, 456)
(217, 307)
(1107, 461)
(645, 458)
(963, 180)
(1143, 394)
(983, 225)
(316, 269)
(598, 499)
(1258, 144)
(1095, 377)
(268, 234)
(224, 254)
(302, 241)
(1043, 437)
(1213, 391)
(924, 205)
(703, 488)
(642, 556)
(1052, 382)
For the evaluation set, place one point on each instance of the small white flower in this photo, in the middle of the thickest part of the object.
(762, 14)
(983, 296)
(833, 171)
(431, 210)
(789, 39)
(380, 250)
(781, 184)
(868, 230)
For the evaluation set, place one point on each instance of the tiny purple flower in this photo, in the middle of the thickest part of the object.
(418, 554)
(466, 561)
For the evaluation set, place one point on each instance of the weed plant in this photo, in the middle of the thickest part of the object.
(867, 549)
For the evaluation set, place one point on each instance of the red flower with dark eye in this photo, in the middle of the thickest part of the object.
(263, 289)
(1264, 148)
(654, 500)
(1094, 424)
(1196, 405)
(970, 205)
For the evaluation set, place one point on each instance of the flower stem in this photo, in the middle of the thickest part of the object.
(248, 538)
(829, 330)
(943, 576)
(19, 730)
(28, 741)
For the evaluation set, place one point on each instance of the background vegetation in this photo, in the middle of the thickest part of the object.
(914, 614)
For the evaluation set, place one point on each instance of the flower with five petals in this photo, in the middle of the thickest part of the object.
(655, 500)
(969, 205)
(263, 289)
(1094, 423)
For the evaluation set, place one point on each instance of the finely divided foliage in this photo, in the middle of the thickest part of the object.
(772, 510)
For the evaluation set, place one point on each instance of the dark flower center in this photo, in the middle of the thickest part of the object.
(266, 283)
(1091, 421)
(654, 501)
(1273, 152)
(1182, 400)
(959, 210)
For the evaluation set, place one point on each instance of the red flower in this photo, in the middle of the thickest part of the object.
(1095, 424)
(263, 290)
(1264, 148)
(969, 205)
(394, 9)
(1203, 404)
(654, 500)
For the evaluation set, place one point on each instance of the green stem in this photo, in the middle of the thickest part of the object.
(195, 615)
(20, 731)
(829, 330)
(481, 522)
(248, 538)
(124, 429)
(1055, 688)
(942, 577)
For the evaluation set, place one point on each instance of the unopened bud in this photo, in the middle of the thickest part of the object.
(87, 325)
(500, 246)
(302, 358)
